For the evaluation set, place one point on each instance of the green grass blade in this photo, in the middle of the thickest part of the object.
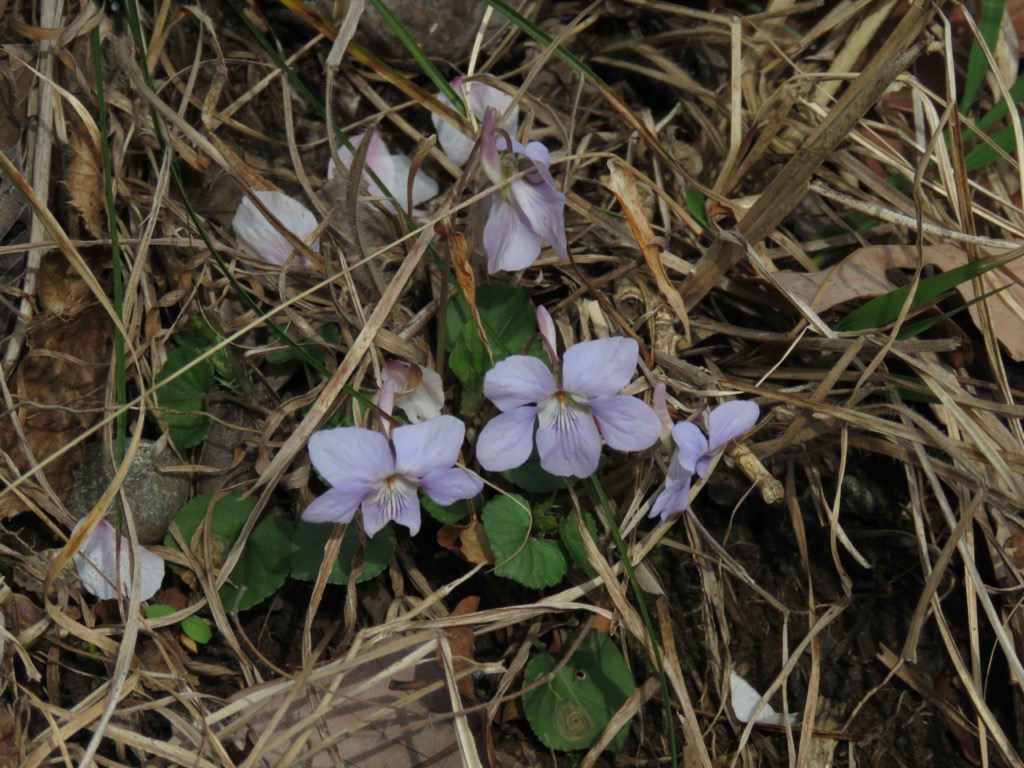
(910, 331)
(417, 53)
(542, 37)
(977, 65)
(883, 310)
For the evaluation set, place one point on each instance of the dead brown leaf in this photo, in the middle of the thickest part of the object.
(862, 275)
(85, 182)
(58, 393)
(468, 542)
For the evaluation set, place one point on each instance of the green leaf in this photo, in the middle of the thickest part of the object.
(506, 312)
(518, 556)
(469, 362)
(197, 629)
(157, 610)
(446, 515)
(311, 538)
(262, 567)
(569, 711)
(183, 400)
(696, 206)
(263, 564)
(573, 542)
(531, 477)
(193, 626)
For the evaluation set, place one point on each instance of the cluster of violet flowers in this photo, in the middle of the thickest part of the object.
(525, 208)
(566, 411)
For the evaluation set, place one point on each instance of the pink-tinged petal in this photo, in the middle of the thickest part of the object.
(395, 499)
(567, 439)
(398, 372)
(446, 486)
(381, 162)
(422, 448)
(627, 423)
(660, 405)
(490, 159)
(481, 96)
(509, 238)
(518, 380)
(99, 566)
(257, 235)
(546, 328)
(506, 441)
(673, 500)
(347, 453)
(339, 504)
(543, 206)
(692, 445)
(386, 400)
(730, 420)
(599, 367)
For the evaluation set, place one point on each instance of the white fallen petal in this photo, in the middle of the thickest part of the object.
(97, 565)
(421, 402)
(257, 235)
(744, 700)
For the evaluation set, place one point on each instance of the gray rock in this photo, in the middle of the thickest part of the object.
(154, 496)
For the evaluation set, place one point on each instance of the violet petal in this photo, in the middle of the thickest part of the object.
(567, 439)
(422, 448)
(730, 420)
(339, 504)
(599, 367)
(506, 441)
(446, 486)
(627, 423)
(518, 380)
(343, 453)
(691, 443)
(543, 206)
(672, 500)
(509, 238)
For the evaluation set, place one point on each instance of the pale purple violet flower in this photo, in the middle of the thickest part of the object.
(260, 239)
(480, 96)
(695, 453)
(364, 472)
(392, 170)
(569, 414)
(99, 566)
(526, 209)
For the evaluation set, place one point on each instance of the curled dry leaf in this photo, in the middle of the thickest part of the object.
(861, 275)
(468, 542)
